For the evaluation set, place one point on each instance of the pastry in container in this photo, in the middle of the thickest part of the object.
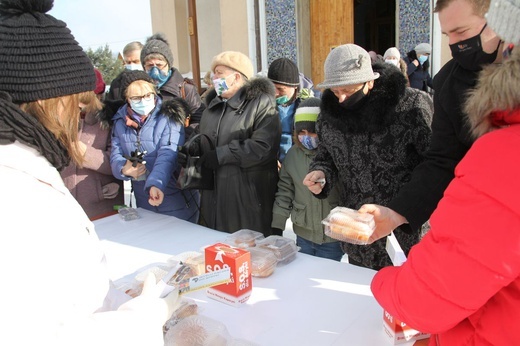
(349, 225)
(285, 249)
(263, 262)
(244, 238)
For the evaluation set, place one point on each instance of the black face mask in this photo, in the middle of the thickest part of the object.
(469, 53)
(354, 101)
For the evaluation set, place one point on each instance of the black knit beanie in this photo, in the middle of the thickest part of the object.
(307, 114)
(39, 57)
(157, 44)
(284, 71)
(130, 76)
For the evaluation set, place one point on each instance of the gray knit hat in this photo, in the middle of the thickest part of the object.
(39, 57)
(423, 48)
(504, 18)
(347, 64)
(157, 44)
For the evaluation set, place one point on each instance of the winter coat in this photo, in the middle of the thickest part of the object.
(286, 114)
(372, 150)
(418, 75)
(159, 136)
(462, 281)
(449, 143)
(293, 199)
(94, 186)
(246, 132)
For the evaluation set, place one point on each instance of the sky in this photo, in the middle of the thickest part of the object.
(95, 23)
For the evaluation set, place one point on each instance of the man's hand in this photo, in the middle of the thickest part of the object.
(385, 218)
(135, 172)
(156, 196)
(315, 181)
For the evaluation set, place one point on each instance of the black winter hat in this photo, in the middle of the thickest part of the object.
(284, 71)
(306, 115)
(130, 76)
(39, 57)
(157, 44)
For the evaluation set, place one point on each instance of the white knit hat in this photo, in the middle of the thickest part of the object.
(392, 52)
(347, 64)
(504, 18)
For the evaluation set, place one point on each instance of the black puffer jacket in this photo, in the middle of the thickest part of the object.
(246, 131)
(372, 151)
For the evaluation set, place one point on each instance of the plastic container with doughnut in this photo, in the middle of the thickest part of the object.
(349, 225)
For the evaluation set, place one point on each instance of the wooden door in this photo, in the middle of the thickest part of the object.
(332, 24)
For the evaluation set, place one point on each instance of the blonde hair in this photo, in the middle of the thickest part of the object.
(59, 115)
(141, 86)
(91, 102)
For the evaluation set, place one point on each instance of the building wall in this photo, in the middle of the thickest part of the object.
(414, 24)
(280, 20)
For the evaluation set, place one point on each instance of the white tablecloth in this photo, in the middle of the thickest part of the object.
(310, 301)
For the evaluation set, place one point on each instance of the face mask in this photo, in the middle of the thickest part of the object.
(308, 142)
(143, 107)
(469, 53)
(134, 67)
(159, 76)
(354, 99)
(220, 85)
(422, 59)
(392, 62)
(282, 100)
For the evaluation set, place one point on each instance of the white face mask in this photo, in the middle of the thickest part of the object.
(143, 107)
(392, 62)
(221, 85)
(134, 67)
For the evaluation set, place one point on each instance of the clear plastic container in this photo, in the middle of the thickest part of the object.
(285, 249)
(263, 262)
(244, 238)
(128, 214)
(349, 225)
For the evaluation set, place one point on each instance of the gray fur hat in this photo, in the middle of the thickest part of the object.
(347, 64)
(157, 44)
(504, 18)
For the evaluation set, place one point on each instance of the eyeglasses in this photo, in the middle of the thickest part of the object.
(137, 99)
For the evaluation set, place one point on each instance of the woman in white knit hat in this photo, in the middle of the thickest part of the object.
(462, 281)
(393, 57)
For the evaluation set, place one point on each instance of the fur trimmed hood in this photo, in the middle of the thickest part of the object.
(377, 108)
(176, 108)
(250, 90)
(496, 90)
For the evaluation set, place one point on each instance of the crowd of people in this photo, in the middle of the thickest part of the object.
(378, 135)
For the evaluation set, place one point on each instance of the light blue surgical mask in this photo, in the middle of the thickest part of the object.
(159, 76)
(143, 107)
(422, 59)
(134, 67)
(309, 142)
(282, 100)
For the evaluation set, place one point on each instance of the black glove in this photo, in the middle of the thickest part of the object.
(182, 158)
(209, 160)
(276, 231)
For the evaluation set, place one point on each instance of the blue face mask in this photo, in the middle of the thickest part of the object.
(282, 100)
(143, 107)
(308, 142)
(159, 76)
(422, 59)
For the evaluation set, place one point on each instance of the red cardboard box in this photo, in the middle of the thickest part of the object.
(238, 290)
(398, 332)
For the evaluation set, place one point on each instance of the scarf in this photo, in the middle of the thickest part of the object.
(15, 125)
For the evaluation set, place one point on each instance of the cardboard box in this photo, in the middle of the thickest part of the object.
(398, 332)
(238, 290)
